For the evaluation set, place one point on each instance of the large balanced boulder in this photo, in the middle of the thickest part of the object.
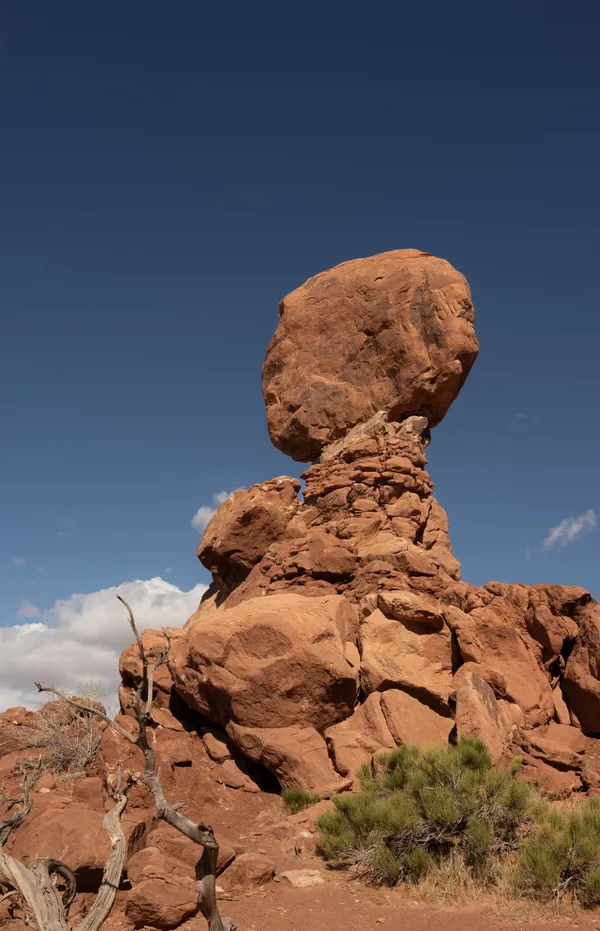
(393, 332)
(271, 662)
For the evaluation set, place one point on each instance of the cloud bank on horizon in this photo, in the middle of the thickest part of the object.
(80, 639)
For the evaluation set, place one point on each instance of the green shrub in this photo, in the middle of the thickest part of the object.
(426, 805)
(562, 856)
(298, 799)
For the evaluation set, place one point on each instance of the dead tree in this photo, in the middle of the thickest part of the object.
(36, 889)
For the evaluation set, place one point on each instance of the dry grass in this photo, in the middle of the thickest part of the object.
(67, 740)
(451, 884)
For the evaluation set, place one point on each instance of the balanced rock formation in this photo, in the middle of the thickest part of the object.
(337, 623)
(392, 332)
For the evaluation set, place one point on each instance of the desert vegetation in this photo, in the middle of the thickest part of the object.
(425, 807)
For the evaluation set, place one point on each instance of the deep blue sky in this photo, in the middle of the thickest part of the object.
(170, 170)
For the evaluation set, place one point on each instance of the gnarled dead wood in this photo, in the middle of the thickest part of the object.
(201, 834)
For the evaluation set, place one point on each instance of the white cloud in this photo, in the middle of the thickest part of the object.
(18, 561)
(570, 529)
(80, 639)
(27, 609)
(203, 514)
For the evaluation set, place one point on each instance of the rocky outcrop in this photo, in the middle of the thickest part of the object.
(245, 526)
(337, 624)
(392, 332)
(276, 662)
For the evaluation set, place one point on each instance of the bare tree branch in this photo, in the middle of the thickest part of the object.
(35, 886)
(29, 777)
(81, 706)
(202, 834)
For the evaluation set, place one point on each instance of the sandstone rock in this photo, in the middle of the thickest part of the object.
(479, 714)
(181, 848)
(393, 332)
(591, 764)
(413, 657)
(558, 745)
(164, 718)
(309, 817)
(554, 782)
(216, 746)
(545, 620)
(14, 725)
(411, 722)
(88, 792)
(561, 711)
(303, 879)
(229, 774)
(163, 893)
(410, 607)
(495, 637)
(352, 742)
(297, 756)
(276, 662)
(130, 667)
(249, 869)
(245, 526)
(76, 837)
(581, 683)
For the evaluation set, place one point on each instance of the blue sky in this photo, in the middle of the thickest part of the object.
(170, 171)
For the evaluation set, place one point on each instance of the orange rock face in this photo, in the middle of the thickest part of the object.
(392, 332)
(270, 662)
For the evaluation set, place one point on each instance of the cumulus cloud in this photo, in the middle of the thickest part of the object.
(570, 529)
(203, 514)
(80, 639)
(18, 561)
(27, 609)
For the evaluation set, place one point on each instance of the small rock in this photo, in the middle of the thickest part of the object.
(302, 879)
(216, 747)
(250, 869)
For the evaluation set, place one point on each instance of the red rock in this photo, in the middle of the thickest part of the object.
(558, 745)
(549, 627)
(179, 847)
(353, 742)
(216, 746)
(393, 332)
(245, 525)
(14, 724)
(413, 657)
(229, 774)
(249, 869)
(581, 683)
(274, 661)
(411, 608)
(88, 792)
(495, 637)
(554, 782)
(76, 837)
(164, 892)
(130, 667)
(309, 817)
(411, 722)
(297, 756)
(479, 714)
